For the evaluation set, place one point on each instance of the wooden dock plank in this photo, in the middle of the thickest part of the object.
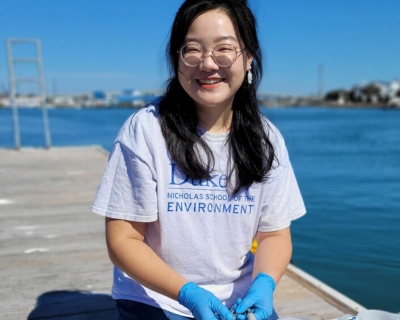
(52, 247)
(53, 259)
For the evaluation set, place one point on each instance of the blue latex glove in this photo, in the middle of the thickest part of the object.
(202, 303)
(258, 298)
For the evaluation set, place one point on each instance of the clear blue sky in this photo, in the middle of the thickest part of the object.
(113, 45)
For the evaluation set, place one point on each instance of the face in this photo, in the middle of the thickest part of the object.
(208, 84)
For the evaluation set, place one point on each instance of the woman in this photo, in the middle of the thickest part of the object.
(195, 176)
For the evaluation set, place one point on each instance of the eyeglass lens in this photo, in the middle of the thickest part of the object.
(224, 55)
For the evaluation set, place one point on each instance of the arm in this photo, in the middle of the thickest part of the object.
(273, 255)
(130, 254)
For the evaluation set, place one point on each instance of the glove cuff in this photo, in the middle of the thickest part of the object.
(266, 278)
(183, 293)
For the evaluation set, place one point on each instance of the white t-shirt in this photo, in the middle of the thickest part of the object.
(193, 225)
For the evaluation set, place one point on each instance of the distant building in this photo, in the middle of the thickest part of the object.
(376, 92)
(394, 93)
(339, 96)
(99, 95)
(129, 98)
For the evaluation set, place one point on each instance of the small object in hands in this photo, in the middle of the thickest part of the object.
(250, 315)
(232, 309)
(348, 317)
(303, 319)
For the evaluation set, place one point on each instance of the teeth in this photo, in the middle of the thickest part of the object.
(209, 81)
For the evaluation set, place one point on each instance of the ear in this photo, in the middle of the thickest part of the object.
(249, 62)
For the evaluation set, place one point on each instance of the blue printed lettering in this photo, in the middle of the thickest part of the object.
(211, 181)
(226, 208)
(173, 176)
(208, 207)
(197, 183)
(187, 206)
(223, 180)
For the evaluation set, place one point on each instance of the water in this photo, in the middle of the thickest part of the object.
(347, 163)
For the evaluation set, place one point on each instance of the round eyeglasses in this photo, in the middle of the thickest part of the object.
(223, 55)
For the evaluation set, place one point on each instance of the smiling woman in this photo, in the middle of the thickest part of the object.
(211, 85)
(194, 177)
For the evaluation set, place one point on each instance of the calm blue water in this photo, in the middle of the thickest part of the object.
(347, 163)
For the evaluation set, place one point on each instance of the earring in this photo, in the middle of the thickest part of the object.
(249, 76)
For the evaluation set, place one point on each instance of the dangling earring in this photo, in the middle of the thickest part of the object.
(249, 76)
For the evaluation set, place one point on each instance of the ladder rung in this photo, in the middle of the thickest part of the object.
(30, 77)
(28, 60)
(18, 40)
(26, 80)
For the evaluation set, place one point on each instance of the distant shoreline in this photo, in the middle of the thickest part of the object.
(327, 104)
(262, 104)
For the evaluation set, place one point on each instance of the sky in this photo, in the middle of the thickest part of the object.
(117, 45)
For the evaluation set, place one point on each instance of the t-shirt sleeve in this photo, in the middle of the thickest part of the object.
(128, 187)
(282, 200)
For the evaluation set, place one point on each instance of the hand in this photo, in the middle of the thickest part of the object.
(202, 303)
(258, 298)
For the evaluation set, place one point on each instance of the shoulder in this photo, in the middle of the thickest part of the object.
(141, 130)
(145, 116)
(142, 122)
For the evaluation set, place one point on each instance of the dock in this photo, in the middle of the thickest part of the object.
(53, 258)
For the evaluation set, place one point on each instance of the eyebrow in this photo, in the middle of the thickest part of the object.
(219, 39)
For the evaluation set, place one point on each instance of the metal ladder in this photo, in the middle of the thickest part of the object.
(10, 42)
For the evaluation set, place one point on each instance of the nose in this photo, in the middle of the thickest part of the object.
(208, 63)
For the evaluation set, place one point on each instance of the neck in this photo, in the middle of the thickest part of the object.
(216, 121)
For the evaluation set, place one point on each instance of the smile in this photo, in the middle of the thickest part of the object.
(209, 81)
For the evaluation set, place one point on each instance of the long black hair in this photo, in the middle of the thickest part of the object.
(251, 150)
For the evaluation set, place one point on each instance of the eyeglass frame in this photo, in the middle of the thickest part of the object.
(212, 55)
